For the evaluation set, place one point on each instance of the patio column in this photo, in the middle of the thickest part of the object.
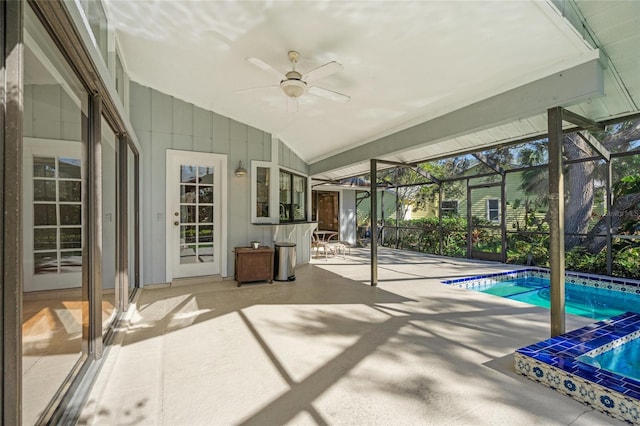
(556, 221)
(374, 222)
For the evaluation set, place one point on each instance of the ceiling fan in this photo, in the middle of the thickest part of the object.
(295, 84)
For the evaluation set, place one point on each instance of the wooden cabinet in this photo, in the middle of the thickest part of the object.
(253, 264)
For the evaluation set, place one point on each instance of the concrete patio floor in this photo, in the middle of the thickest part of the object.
(328, 349)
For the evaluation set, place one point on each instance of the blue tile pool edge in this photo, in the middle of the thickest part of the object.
(481, 282)
(553, 363)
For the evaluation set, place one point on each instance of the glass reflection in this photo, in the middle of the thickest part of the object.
(45, 239)
(205, 253)
(188, 214)
(188, 234)
(205, 214)
(187, 193)
(70, 214)
(54, 313)
(70, 190)
(44, 214)
(205, 234)
(44, 190)
(206, 194)
(44, 166)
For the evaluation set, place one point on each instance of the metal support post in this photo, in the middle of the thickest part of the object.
(503, 217)
(374, 222)
(556, 221)
(608, 203)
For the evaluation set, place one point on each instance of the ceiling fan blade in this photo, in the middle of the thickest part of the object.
(329, 94)
(255, 89)
(265, 66)
(322, 71)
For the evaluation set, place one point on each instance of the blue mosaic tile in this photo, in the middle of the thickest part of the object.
(558, 368)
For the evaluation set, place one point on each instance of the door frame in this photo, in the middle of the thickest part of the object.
(174, 154)
(481, 255)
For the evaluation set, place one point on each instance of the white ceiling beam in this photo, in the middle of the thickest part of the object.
(569, 87)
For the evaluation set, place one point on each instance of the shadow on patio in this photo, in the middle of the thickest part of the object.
(330, 349)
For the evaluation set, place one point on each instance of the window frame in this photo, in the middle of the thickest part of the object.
(443, 209)
(497, 210)
(291, 217)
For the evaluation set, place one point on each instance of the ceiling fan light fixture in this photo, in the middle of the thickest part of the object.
(293, 88)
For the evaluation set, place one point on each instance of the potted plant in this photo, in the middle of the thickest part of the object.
(255, 245)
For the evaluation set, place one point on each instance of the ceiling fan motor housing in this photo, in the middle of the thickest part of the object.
(293, 88)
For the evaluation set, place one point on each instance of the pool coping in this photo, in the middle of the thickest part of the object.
(479, 282)
(554, 363)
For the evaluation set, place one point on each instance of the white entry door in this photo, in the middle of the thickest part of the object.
(196, 193)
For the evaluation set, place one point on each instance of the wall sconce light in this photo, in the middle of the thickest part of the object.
(241, 171)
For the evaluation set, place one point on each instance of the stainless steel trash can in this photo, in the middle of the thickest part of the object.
(285, 261)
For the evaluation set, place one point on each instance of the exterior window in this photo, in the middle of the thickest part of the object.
(120, 77)
(98, 23)
(293, 197)
(449, 208)
(262, 191)
(493, 210)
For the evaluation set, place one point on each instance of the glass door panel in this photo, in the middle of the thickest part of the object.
(54, 313)
(196, 214)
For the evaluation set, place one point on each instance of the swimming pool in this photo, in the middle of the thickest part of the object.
(623, 359)
(586, 295)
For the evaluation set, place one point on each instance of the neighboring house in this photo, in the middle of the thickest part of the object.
(523, 211)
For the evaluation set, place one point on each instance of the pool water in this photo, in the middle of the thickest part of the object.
(624, 359)
(596, 303)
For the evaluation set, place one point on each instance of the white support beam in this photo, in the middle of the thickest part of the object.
(565, 88)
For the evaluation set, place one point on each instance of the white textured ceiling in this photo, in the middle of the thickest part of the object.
(404, 62)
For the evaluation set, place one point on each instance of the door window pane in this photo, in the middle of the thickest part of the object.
(44, 214)
(69, 168)
(45, 239)
(44, 190)
(70, 214)
(205, 214)
(205, 234)
(188, 214)
(205, 194)
(70, 190)
(44, 166)
(70, 238)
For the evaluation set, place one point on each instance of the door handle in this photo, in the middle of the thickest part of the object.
(176, 223)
